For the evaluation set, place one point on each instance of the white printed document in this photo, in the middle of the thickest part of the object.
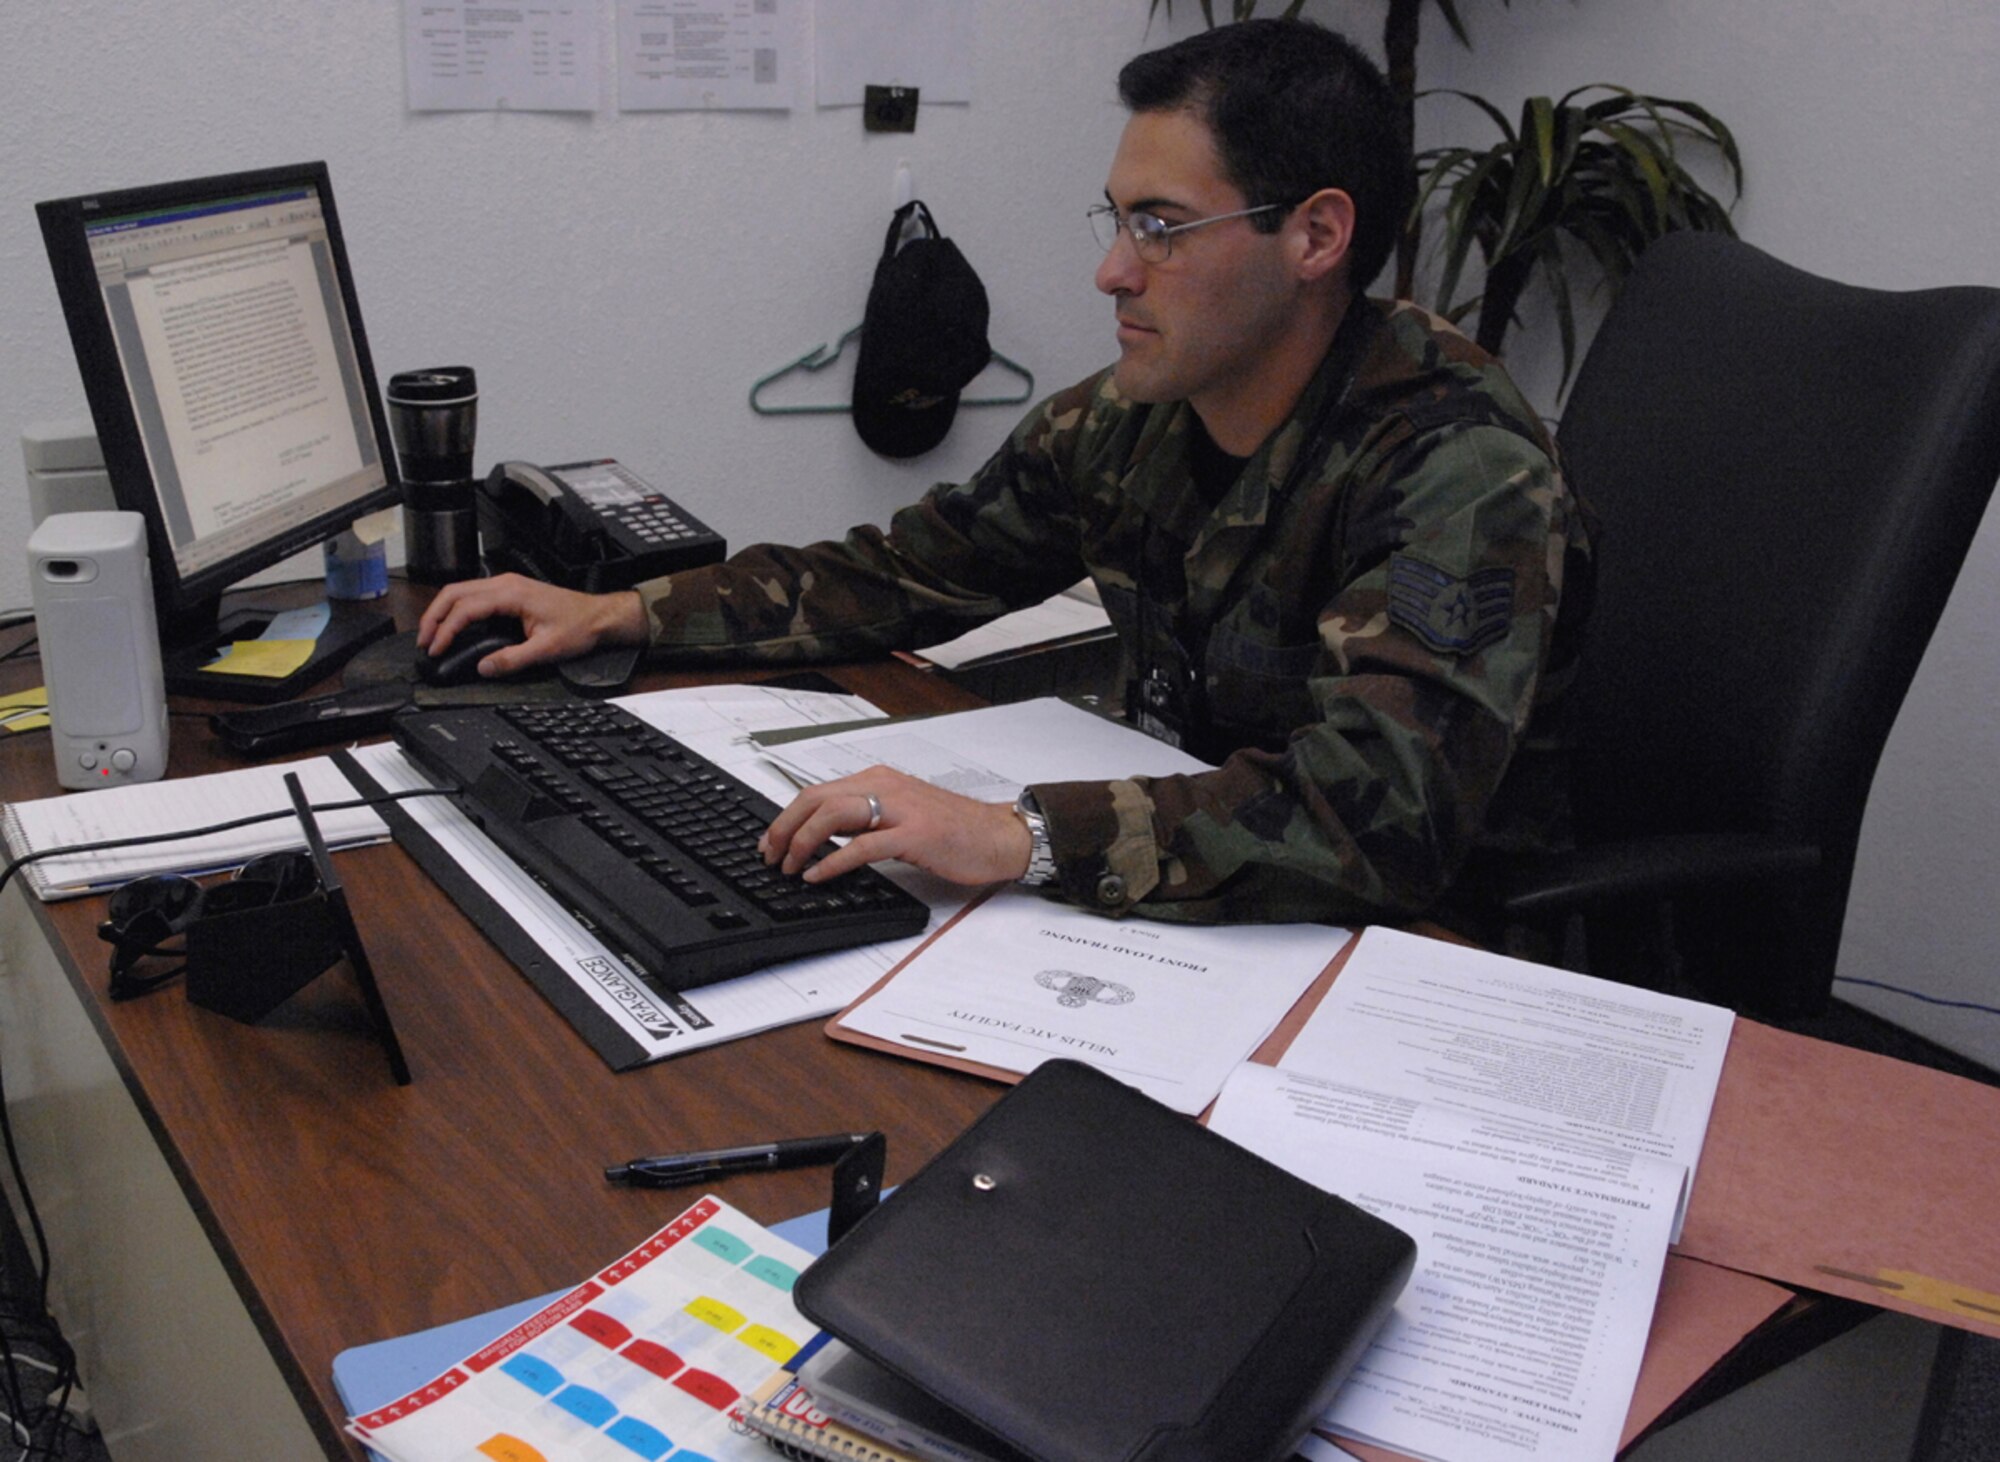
(1536, 1132)
(1597, 1068)
(460, 56)
(700, 55)
(1073, 615)
(721, 722)
(990, 754)
(179, 804)
(1168, 1008)
(1520, 1333)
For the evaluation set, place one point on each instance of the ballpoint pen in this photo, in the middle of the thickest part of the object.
(694, 1167)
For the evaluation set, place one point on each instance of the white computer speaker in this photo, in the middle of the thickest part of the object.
(100, 647)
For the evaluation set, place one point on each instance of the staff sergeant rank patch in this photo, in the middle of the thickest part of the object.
(1453, 616)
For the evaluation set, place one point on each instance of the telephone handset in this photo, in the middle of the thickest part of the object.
(593, 526)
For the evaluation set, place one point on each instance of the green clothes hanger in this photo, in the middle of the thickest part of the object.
(819, 358)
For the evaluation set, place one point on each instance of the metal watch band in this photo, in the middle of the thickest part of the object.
(1041, 858)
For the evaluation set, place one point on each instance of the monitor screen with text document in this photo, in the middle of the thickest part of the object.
(221, 348)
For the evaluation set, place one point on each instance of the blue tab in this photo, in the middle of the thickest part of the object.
(533, 1372)
(636, 1437)
(586, 1405)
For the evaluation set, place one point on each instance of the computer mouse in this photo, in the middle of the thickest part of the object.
(459, 664)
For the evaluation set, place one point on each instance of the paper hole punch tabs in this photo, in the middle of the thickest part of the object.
(923, 338)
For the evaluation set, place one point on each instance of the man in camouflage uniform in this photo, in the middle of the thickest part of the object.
(1329, 532)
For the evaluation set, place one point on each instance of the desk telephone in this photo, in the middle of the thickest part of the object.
(594, 526)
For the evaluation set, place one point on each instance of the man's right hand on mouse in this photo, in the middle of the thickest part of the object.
(559, 624)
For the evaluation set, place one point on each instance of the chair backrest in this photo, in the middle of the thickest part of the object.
(1789, 472)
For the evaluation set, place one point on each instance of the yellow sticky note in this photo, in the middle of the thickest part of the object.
(24, 710)
(268, 659)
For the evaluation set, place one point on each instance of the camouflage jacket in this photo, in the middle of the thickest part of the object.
(1375, 635)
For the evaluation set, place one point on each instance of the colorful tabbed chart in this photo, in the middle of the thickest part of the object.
(643, 1362)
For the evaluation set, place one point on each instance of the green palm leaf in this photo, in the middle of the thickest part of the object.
(1590, 177)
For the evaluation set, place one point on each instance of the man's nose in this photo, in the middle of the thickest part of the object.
(1123, 271)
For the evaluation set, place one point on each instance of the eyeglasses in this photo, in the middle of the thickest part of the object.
(1152, 236)
(147, 913)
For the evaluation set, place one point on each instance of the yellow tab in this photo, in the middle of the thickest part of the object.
(503, 1448)
(715, 1312)
(266, 659)
(1942, 1295)
(20, 699)
(780, 1348)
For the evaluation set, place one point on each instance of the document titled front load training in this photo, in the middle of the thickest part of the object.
(1018, 980)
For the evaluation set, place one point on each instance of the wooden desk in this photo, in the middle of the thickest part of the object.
(335, 1207)
(231, 1206)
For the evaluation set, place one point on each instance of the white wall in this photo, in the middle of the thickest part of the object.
(619, 280)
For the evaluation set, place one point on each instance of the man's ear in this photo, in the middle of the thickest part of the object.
(1326, 221)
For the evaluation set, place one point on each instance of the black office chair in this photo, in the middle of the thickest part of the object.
(1789, 472)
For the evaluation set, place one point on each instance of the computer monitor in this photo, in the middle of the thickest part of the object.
(220, 342)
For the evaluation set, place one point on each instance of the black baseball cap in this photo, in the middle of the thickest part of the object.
(923, 338)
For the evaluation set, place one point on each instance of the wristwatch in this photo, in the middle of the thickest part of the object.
(1041, 859)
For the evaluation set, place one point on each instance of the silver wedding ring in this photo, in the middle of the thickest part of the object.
(874, 811)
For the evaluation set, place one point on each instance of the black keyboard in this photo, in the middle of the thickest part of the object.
(651, 846)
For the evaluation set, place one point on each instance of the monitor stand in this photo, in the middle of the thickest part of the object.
(197, 638)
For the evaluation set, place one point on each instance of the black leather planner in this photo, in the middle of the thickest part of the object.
(1089, 1276)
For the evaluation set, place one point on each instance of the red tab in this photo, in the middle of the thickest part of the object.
(602, 1328)
(709, 1387)
(654, 1357)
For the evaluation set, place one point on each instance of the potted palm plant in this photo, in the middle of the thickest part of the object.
(1596, 173)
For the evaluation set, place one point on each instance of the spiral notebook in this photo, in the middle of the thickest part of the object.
(783, 1414)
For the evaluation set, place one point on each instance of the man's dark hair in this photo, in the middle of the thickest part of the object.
(1293, 108)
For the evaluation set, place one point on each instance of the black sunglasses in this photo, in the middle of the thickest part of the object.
(147, 914)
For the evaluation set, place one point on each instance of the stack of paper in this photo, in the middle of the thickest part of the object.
(173, 807)
(990, 754)
(1536, 1131)
(1069, 617)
